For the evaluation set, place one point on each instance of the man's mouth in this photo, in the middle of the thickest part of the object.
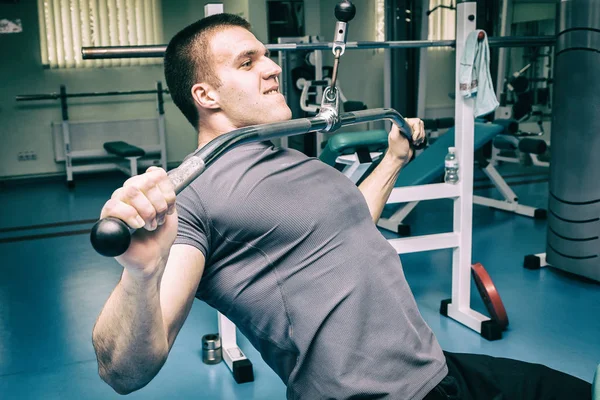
(272, 91)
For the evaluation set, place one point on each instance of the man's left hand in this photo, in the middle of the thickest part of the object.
(398, 146)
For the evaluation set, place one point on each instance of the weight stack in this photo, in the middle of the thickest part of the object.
(573, 242)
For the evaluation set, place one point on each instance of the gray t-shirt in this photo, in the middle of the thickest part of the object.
(294, 259)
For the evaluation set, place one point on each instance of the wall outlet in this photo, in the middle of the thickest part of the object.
(28, 155)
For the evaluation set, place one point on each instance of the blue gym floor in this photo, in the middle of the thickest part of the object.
(53, 287)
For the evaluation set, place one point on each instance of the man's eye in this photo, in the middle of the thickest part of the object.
(247, 63)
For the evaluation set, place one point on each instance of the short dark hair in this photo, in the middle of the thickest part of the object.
(188, 60)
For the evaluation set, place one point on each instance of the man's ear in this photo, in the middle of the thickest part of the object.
(205, 96)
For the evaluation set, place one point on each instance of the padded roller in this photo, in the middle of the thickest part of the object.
(504, 143)
(533, 146)
(348, 143)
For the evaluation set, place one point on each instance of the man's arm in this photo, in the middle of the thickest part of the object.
(378, 186)
(140, 321)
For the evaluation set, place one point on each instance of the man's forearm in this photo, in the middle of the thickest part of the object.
(130, 337)
(379, 184)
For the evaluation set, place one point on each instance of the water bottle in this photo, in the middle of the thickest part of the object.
(451, 164)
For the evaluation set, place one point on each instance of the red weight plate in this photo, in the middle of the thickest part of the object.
(489, 294)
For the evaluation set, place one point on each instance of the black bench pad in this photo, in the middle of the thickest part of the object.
(123, 149)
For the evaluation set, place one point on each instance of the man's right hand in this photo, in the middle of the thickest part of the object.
(146, 201)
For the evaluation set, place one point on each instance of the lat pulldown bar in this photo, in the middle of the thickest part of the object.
(95, 53)
(111, 237)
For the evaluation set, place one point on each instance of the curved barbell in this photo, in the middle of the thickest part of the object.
(111, 237)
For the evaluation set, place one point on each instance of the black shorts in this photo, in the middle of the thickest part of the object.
(480, 377)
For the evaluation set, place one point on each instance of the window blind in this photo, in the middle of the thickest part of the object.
(68, 25)
(442, 22)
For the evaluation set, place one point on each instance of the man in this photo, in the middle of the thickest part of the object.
(280, 243)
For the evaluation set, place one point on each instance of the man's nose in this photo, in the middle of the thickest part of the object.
(272, 70)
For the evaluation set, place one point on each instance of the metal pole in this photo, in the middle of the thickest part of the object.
(463, 141)
(423, 63)
(89, 53)
(505, 27)
(319, 137)
(460, 308)
(54, 96)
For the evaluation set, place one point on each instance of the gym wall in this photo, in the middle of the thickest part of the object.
(27, 125)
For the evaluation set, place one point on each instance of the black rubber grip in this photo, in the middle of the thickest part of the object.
(532, 146)
(111, 237)
(345, 11)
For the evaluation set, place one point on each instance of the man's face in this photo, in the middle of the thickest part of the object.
(249, 94)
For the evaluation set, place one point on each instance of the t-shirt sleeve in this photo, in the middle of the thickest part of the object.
(193, 228)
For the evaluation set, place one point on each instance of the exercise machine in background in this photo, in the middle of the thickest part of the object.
(518, 147)
(523, 104)
(526, 94)
(354, 154)
(303, 78)
(95, 146)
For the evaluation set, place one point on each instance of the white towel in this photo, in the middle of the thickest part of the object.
(474, 75)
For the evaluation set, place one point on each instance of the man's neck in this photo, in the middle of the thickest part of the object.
(213, 128)
(204, 138)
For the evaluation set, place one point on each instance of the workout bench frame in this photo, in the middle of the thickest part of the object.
(460, 239)
(98, 159)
